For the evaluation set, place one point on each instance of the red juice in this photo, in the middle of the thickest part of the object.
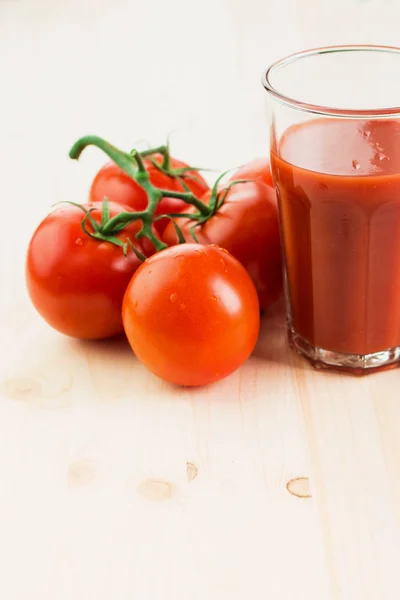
(338, 184)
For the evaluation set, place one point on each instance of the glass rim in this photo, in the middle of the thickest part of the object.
(321, 109)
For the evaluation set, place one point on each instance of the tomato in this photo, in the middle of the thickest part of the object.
(191, 314)
(75, 282)
(247, 226)
(117, 186)
(256, 170)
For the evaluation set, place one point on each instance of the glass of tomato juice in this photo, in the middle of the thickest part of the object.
(335, 160)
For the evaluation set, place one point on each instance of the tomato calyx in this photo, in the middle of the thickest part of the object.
(97, 229)
(205, 212)
(165, 166)
(157, 150)
(181, 174)
(178, 230)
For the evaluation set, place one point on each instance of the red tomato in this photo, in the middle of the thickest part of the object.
(191, 314)
(256, 170)
(113, 183)
(75, 282)
(247, 226)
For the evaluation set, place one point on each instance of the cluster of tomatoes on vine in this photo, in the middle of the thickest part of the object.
(183, 269)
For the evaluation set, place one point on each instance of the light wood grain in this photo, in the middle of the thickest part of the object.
(279, 482)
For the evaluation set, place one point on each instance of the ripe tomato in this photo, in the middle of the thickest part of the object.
(117, 186)
(75, 282)
(256, 170)
(247, 226)
(191, 314)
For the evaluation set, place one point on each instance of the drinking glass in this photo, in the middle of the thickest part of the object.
(335, 159)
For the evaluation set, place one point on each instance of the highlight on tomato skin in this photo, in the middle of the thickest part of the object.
(75, 282)
(191, 314)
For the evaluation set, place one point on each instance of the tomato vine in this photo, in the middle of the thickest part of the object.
(132, 164)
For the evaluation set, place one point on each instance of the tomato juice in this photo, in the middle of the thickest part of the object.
(338, 184)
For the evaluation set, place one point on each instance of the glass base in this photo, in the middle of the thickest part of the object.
(357, 364)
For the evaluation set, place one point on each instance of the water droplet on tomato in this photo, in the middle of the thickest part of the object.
(356, 164)
(173, 297)
(214, 298)
(182, 306)
(79, 242)
(178, 256)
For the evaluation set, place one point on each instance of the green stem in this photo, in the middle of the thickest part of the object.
(154, 196)
(189, 198)
(158, 150)
(166, 163)
(146, 231)
(142, 178)
(132, 164)
(123, 218)
(126, 218)
(141, 167)
(125, 161)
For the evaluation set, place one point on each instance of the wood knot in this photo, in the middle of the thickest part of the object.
(155, 491)
(81, 472)
(191, 471)
(300, 487)
(21, 389)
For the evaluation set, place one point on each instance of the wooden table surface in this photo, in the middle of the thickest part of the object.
(279, 482)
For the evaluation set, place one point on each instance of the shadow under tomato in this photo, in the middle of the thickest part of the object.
(114, 371)
(116, 345)
(113, 355)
